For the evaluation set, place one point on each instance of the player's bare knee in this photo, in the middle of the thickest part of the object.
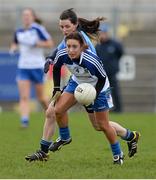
(97, 128)
(102, 127)
(50, 112)
(58, 112)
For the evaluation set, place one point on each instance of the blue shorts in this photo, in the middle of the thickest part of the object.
(102, 103)
(33, 75)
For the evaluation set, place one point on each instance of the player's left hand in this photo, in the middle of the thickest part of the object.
(47, 64)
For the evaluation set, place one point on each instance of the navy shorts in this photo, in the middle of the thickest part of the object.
(33, 75)
(102, 103)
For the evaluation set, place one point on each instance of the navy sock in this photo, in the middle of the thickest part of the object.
(129, 135)
(116, 150)
(64, 133)
(45, 145)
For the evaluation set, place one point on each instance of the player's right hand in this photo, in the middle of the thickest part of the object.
(55, 96)
(56, 89)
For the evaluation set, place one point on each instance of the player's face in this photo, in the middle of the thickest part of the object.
(74, 48)
(27, 17)
(67, 27)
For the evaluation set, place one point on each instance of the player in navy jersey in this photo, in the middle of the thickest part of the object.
(69, 22)
(85, 66)
(30, 40)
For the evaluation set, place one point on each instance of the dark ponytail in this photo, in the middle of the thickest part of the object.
(38, 20)
(85, 25)
(91, 27)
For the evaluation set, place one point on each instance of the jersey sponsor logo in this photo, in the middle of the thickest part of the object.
(78, 70)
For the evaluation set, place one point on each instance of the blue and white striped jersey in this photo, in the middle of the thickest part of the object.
(31, 56)
(88, 69)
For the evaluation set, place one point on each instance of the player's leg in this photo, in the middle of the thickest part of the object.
(131, 137)
(101, 108)
(93, 120)
(65, 101)
(102, 118)
(122, 132)
(41, 96)
(24, 93)
(50, 123)
(37, 76)
(48, 132)
(62, 105)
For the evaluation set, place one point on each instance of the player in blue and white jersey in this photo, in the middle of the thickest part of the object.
(68, 24)
(30, 40)
(84, 66)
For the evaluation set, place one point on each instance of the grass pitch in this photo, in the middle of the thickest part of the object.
(87, 157)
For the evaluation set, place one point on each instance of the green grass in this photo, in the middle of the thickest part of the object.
(88, 156)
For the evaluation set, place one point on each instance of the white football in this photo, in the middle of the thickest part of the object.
(85, 93)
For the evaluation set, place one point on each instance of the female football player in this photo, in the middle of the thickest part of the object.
(30, 39)
(69, 23)
(84, 66)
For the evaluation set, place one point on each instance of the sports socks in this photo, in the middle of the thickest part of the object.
(45, 145)
(64, 133)
(116, 150)
(129, 135)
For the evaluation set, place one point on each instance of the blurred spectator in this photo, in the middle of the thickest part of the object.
(30, 40)
(110, 51)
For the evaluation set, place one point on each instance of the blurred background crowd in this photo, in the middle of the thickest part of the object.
(131, 22)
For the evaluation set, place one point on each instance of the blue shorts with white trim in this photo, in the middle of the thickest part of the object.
(33, 75)
(102, 103)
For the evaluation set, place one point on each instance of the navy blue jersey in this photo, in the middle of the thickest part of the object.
(88, 69)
